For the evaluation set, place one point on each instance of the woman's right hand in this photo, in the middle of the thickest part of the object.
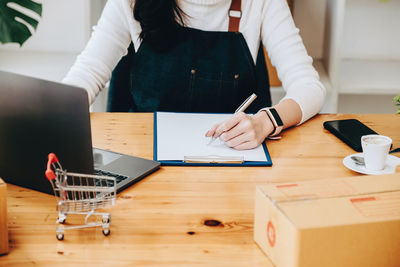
(243, 131)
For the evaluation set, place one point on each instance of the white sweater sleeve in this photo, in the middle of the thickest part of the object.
(107, 45)
(284, 45)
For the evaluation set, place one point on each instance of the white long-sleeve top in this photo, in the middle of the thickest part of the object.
(266, 20)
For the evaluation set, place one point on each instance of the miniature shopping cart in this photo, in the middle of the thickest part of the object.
(80, 194)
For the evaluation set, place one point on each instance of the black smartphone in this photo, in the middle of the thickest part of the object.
(349, 131)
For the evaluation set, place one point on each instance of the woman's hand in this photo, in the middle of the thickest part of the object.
(243, 131)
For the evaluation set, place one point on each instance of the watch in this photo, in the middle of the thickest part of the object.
(275, 119)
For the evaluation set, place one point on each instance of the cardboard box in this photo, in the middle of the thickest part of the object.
(336, 222)
(3, 218)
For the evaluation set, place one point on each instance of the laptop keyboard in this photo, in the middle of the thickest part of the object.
(119, 178)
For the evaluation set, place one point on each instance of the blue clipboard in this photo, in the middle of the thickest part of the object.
(212, 161)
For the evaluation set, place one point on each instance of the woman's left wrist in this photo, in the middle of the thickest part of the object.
(265, 122)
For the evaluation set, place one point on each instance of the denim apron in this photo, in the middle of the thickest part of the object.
(204, 71)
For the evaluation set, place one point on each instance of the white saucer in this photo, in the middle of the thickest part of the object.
(390, 166)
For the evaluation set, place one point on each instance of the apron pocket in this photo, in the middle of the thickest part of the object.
(212, 92)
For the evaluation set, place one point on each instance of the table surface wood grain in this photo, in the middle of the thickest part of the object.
(178, 215)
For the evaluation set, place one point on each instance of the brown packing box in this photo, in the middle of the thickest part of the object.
(336, 222)
(3, 218)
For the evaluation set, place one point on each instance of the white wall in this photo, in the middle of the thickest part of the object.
(366, 104)
(62, 33)
(372, 29)
(64, 27)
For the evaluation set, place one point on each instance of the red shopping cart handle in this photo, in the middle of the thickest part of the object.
(50, 175)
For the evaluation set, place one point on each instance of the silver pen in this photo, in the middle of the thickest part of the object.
(246, 103)
(241, 108)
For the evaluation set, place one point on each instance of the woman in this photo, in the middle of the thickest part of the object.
(182, 57)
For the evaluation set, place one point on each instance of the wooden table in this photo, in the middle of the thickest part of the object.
(178, 215)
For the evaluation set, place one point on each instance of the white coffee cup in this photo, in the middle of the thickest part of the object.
(375, 149)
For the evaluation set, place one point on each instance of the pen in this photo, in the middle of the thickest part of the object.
(246, 103)
(241, 108)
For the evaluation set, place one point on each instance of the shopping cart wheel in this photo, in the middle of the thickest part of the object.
(60, 236)
(106, 232)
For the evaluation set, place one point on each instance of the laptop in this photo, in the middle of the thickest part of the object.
(38, 117)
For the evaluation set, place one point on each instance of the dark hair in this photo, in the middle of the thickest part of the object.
(160, 21)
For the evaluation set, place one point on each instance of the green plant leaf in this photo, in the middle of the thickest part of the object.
(11, 29)
(396, 101)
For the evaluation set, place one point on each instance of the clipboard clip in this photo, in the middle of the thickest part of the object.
(213, 159)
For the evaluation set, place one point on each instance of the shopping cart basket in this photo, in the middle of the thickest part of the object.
(80, 194)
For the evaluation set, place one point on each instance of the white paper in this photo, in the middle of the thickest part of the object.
(183, 134)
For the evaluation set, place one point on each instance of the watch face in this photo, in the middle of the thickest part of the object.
(276, 116)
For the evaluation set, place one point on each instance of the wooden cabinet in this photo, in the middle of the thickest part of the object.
(3, 218)
(272, 73)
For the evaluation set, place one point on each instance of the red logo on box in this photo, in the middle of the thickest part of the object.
(271, 236)
(362, 199)
(286, 185)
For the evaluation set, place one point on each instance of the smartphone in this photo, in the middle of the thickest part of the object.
(349, 131)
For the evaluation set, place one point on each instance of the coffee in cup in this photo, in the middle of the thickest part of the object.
(375, 149)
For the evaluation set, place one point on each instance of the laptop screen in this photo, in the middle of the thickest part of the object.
(38, 117)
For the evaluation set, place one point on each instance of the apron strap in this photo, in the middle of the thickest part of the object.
(235, 13)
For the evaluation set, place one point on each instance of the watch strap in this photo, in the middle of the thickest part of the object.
(275, 119)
